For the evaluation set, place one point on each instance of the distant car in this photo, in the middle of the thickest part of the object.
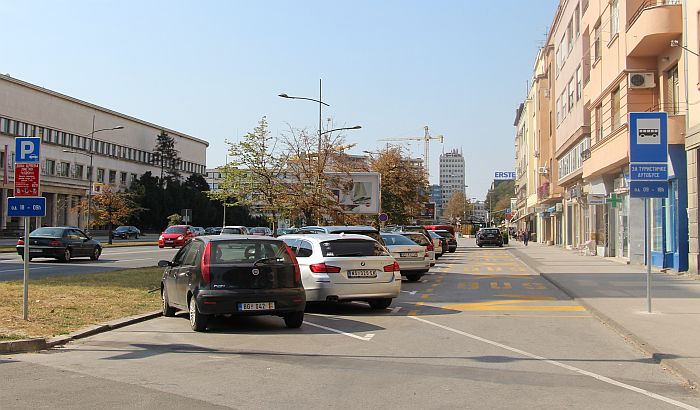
(448, 228)
(126, 232)
(409, 228)
(60, 242)
(451, 240)
(213, 230)
(423, 241)
(442, 246)
(346, 267)
(175, 235)
(370, 231)
(234, 230)
(233, 275)
(413, 259)
(286, 231)
(260, 231)
(198, 230)
(489, 236)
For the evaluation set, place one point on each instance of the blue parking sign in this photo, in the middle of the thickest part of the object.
(27, 150)
(26, 206)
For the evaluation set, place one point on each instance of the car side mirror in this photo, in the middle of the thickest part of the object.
(164, 264)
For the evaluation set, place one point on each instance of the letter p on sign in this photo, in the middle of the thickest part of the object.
(27, 149)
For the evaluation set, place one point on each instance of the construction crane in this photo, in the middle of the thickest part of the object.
(426, 147)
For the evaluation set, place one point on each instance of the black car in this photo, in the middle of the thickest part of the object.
(489, 236)
(444, 246)
(213, 230)
(226, 275)
(60, 242)
(126, 232)
(451, 240)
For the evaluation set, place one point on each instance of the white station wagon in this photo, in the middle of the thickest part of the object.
(346, 267)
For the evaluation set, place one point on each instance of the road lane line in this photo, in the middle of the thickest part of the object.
(365, 338)
(582, 372)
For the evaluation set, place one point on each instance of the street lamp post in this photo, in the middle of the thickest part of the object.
(90, 154)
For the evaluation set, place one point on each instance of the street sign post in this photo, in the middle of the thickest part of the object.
(27, 203)
(187, 215)
(648, 168)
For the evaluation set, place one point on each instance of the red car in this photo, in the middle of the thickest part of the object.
(176, 235)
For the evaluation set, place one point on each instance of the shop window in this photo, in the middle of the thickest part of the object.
(112, 176)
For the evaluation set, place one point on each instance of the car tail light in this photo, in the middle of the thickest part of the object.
(206, 257)
(54, 243)
(394, 267)
(323, 268)
(427, 255)
(297, 271)
(20, 242)
(430, 247)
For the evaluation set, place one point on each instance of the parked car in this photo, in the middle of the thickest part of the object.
(370, 231)
(260, 231)
(423, 241)
(413, 259)
(126, 232)
(175, 235)
(448, 228)
(408, 228)
(60, 242)
(489, 236)
(234, 230)
(213, 230)
(441, 246)
(227, 275)
(346, 267)
(286, 231)
(451, 240)
(198, 230)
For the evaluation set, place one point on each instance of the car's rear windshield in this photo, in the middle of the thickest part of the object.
(445, 234)
(352, 247)
(418, 238)
(259, 230)
(233, 231)
(223, 252)
(175, 229)
(55, 232)
(397, 240)
(372, 234)
(490, 230)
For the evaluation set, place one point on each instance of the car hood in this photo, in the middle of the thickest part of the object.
(171, 235)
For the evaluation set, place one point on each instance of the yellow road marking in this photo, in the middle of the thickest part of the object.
(506, 285)
(534, 286)
(413, 313)
(483, 307)
(425, 296)
(470, 285)
(528, 297)
(429, 291)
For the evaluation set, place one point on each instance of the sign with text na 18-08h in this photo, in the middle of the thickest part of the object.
(648, 154)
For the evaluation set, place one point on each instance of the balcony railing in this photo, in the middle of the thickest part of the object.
(647, 4)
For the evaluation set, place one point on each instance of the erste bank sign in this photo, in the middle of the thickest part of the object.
(502, 175)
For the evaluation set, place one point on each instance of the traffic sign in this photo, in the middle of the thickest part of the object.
(383, 217)
(648, 172)
(649, 189)
(648, 154)
(26, 179)
(27, 150)
(26, 206)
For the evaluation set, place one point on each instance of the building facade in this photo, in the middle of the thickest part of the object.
(65, 125)
(452, 178)
(691, 75)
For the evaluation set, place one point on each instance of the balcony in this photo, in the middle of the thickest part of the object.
(652, 27)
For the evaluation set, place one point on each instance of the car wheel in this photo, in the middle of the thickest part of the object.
(198, 321)
(168, 311)
(380, 303)
(452, 250)
(161, 247)
(294, 320)
(412, 277)
(66, 255)
(22, 256)
(136, 236)
(480, 245)
(96, 253)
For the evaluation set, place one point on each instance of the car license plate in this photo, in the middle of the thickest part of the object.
(256, 306)
(408, 254)
(362, 273)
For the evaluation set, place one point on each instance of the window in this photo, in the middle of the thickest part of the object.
(599, 122)
(122, 178)
(579, 89)
(78, 171)
(112, 176)
(50, 167)
(614, 17)
(672, 91)
(571, 90)
(564, 104)
(615, 109)
(570, 35)
(63, 169)
(596, 43)
(100, 175)
(133, 178)
(577, 21)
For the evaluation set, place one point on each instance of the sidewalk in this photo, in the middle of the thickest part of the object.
(616, 294)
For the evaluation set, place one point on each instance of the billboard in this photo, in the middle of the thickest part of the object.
(427, 211)
(503, 175)
(362, 195)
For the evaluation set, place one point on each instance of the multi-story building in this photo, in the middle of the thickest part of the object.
(526, 177)
(451, 175)
(628, 39)
(691, 75)
(436, 198)
(65, 125)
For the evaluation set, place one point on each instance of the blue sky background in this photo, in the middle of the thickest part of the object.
(212, 69)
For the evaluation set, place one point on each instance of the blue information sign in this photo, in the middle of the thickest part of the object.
(26, 206)
(648, 155)
(27, 150)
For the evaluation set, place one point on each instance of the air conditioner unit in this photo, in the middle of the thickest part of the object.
(641, 80)
(542, 170)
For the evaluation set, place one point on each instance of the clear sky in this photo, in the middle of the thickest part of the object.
(212, 69)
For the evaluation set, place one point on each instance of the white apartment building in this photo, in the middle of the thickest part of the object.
(65, 125)
(452, 178)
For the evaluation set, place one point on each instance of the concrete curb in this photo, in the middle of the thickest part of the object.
(36, 344)
(658, 357)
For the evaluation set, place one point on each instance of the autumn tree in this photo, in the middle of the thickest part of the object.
(498, 200)
(111, 208)
(456, 206)
(404, 185)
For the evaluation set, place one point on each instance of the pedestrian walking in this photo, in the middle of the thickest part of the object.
(526, 237)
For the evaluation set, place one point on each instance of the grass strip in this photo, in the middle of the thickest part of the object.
(68, 303)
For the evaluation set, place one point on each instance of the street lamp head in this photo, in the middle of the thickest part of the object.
(356, 127)
(118, 127)
(283, 95)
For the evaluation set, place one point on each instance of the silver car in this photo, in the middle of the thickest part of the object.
(346, 267)
(423, 241)
(413, 259)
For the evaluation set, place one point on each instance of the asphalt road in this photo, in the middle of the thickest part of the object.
(152, 237)
(480, 332)
(11, 265)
